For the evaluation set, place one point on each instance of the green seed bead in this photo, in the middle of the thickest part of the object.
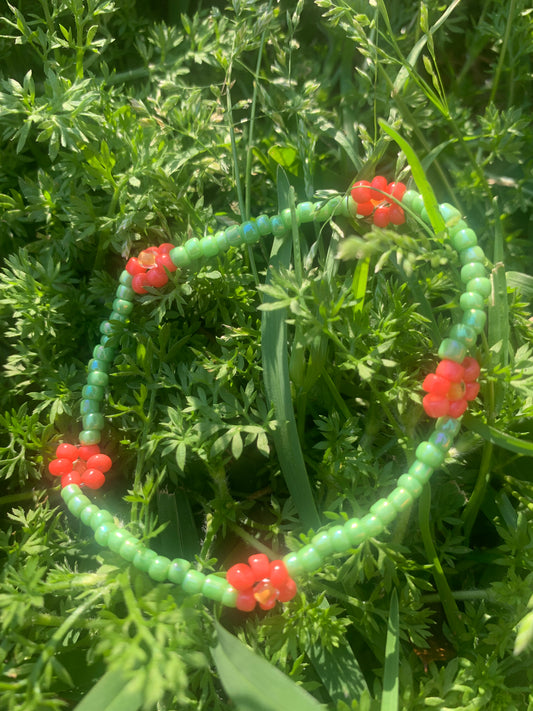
(455, 226)
(441, 440)
(102, 533)
(293, 564)
(124, 293)
(323, 543)
(179, 257)
(449, 425)
(475, 318)
(87, 513)
(263, 225)
(129, 549)
(345, 206)
(327, 210)
(277, 226)
(215, 587)
(221, 240)
(424, 215)
(233, 235)
(77, 503)
(69, 491)
(143, 558)
(310, 558)
(448, 211)
(428, 454)
(178, 570)
(100, 517)
(107, 328)
(88, 407)
(339, 539)
(354, 532)
(98, 377)
(413, 201)
(158, 568)
(452, 349)
(103, 353)
(117, 538)
(472, 270)
(287, 218)
(384, 510)
(471, 300)
(305, 212)
(115, 316)
(97, 364)
(122, 307)
(193, 582)
(471, 254)
(250, 232)
(93, 392)
(411, 484)
(229, 598)
(422, 471)
(90, 436)
(463, 239)
(371, 525)
(193, 249)
(463, 333)
(480, 285)
(125, 280)
(400, 498)
(93, 421)
(209, 247)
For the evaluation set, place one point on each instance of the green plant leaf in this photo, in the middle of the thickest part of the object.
(501, 439)
(114, 692)
(391, 680)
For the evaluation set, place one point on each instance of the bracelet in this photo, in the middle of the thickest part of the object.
(448, 391)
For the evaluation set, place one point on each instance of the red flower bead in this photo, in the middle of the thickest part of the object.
(67, 451)
(71, 478)
(396, 214)
(381, 215)
(138, 283)
(372, 199)
(451, 370)
(86, 451)
(85, 466)
(156, 277)
(379, 182)
(133, 266)
(365, 208)
(165, 262)
(99, 461)
(240, 576)
(260, 566)
(261, 582)
(450, 388)
(361, 192)
(58, 467)
(93, 478)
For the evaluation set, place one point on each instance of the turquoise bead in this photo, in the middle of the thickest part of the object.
(250, 232)
(411, 484)
(87, 407)
(129, 549)
(413, 201)
(117, 538)
(472, 270)
(263, 225)
(215, 587)
(277, 226)
(124, 293)
(125, 279)
(179, 257)
(463, 333)
(69, 491)
(422, 471)
(143, 558)
(209, 247)
(354, 532)
(221, 241)
(471, 300)
(452, 349)
(77, 503)
(475, 318)
(122, 307)
(229, 598)
(323, 543)
(326, 211)
(90, 436)
(471, 254)
(449, 425)
(102, 533)
(107, 328)
(99, 517)
(177, 570)
(233, 235)
(286, 217)
(310, 558)
(384, 510)
(293, 564)
(441, 439)
(97, 364)
(480, 285)
(428, 454)
(339, 539)
(463, 239)
(87, 513)
(305, 212)
(400, 498)
(93, 421)
(103, 353)
(193, 582)
(193, 249)
(98, 377)
(158, 568)
(93, 392)
(448, 212)
(372, 525)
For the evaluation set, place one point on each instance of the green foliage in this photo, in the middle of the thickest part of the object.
(124, 125)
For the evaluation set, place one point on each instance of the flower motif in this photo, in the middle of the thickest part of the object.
(84, 465)
(150, 267)
(451, 387)
(261, 581)
(371, 200)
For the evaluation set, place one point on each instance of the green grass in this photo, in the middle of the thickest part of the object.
(126, 124)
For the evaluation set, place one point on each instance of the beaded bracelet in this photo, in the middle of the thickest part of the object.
(448, 390)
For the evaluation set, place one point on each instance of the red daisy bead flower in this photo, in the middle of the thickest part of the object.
(261, 581)
(84, 465)
(371, 200)
(150, 267)
(451, 387)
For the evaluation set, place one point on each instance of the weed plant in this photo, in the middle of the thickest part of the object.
(125, 124)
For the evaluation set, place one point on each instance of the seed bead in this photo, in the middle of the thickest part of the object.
(428, 454)
(193, 582)
(452, 349)
(384, 510)
(177, 570)
(158, 568)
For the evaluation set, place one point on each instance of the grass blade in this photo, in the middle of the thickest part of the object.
(501, 439)
(339, 671)
(391, 682)
(114, 692)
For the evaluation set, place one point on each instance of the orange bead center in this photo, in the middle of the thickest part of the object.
(265, 592)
